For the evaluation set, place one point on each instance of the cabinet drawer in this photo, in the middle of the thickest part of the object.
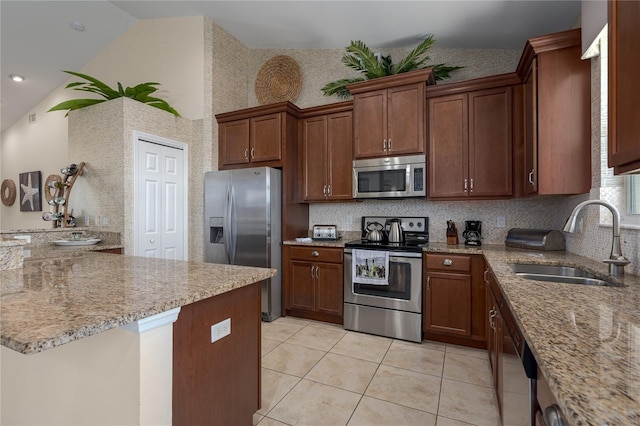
(316, 254)
(446, 262)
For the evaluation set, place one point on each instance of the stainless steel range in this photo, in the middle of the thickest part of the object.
(383, 280)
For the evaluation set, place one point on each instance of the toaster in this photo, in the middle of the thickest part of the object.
(325, 233)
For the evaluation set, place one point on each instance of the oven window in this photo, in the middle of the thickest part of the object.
(399, 283)
(382, 181)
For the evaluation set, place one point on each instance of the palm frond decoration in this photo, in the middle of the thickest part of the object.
(362, 59)
(139, 93)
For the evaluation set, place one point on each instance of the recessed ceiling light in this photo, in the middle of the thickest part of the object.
(78, 26)
(16, 77)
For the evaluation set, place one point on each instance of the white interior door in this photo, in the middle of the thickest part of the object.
(160, 194)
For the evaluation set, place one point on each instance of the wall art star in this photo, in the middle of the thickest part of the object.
(30, 194)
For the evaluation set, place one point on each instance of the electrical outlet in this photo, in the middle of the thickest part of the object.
(105, 221)
(501, 222)
(220, 330)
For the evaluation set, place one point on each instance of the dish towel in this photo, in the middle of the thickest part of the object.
(370, 267)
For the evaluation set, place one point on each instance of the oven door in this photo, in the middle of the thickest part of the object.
(404, 291)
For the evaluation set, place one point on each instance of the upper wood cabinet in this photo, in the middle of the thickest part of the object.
(624, 88)
(257, 136)
(470, 138)
(327, 152)
(388, 115)
(556, 118)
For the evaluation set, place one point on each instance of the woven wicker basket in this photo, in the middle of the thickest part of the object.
(279, 79)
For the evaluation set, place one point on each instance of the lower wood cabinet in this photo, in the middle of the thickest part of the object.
(454, 299)
(313, 282)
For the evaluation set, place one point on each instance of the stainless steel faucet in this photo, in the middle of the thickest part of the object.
(616, 260)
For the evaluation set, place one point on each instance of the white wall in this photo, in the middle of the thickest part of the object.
(169, 51)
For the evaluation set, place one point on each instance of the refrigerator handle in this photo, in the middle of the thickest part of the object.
(232, 225)
(227, 226)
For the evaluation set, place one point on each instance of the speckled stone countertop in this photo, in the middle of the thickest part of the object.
(586, 339)
(50, 302)
(48, 251)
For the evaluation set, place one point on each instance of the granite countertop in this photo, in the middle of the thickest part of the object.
(54, 301)
(51, 250)
(586, 339)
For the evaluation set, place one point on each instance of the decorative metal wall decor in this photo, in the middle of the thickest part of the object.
(30, 192)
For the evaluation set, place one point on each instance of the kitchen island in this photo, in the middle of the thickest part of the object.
(88, 338)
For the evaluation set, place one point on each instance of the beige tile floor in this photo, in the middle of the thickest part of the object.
(315, 373)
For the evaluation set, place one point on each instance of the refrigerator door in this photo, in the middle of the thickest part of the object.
(217, 222)
(256, 214)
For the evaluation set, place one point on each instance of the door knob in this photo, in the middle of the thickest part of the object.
(152, 241)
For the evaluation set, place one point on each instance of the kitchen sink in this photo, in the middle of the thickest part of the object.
(563, 274)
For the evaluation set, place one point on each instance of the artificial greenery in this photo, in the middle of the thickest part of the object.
(139, 92)
(362, 59)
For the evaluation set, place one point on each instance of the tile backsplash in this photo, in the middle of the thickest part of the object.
(536, 212)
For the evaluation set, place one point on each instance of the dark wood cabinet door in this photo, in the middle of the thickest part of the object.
(490, 143)
(266, 138)
(448, 146)
(330, 292)
(448, 308)
(370, 124)
(624, 88)
(530, 177)
(340, 155)
(406, 120)
(314, 142)
(302, 286)
(234, 142)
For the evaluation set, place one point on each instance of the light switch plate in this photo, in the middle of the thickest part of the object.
(220, 330)
(501, 222)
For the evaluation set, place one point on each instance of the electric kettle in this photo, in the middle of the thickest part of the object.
(396, 235)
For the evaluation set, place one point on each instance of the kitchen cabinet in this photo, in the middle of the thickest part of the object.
(470, 138)
(624, 88)
(556, 116)
(313, 282)
(327, 152)
(494, 336)
(260, 136)
(454, 299)
(389, 115)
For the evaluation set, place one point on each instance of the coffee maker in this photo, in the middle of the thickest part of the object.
(472, 232)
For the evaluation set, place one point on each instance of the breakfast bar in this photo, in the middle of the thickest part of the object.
(90, 338)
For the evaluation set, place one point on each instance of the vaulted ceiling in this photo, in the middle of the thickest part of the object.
(37, 39)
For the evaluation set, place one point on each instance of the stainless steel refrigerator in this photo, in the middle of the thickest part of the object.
(243, 225)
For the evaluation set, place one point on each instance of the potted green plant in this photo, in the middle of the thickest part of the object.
(365, 61)
(140, 92)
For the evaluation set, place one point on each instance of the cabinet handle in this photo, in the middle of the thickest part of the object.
(246, 154)
(531, 176)
(465, 185)
(324, 190)
(317, 271)
(328, 190)
(389, 144)
(315, 253)
(313, 267)
(471, 189)
(485, 276)
(492, 315)
(253, 153)
(428, 282)
(384, 144)
(447, 262)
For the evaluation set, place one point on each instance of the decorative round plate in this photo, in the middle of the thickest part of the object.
(8, 192)
(279, 79)
(80, 242)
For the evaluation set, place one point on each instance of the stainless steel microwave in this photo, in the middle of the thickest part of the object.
(390, 177)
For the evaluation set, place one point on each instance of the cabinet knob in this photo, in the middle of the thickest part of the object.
(447, 262)
(315, 253)
(152, 241)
